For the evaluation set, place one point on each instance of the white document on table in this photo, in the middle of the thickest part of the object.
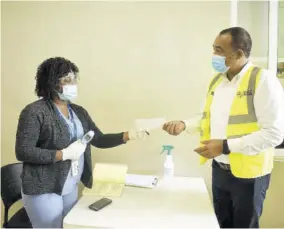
(150, 123)
(144, 181)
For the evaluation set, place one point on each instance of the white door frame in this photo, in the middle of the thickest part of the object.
(273, 36)
(272, 54)
(234, 13)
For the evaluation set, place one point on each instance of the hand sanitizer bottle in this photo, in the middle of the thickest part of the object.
(169, 164)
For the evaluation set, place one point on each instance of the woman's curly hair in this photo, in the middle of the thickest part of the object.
(49, 73)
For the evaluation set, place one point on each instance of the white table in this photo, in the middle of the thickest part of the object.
(279, 155)
(181, 202)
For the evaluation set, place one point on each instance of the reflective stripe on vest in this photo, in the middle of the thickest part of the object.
(250, 117)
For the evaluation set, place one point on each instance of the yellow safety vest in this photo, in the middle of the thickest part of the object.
(242, 121)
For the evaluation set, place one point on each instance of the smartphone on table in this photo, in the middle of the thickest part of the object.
(99, 204)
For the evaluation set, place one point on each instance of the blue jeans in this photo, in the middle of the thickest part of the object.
(48, 210)
(237, 202)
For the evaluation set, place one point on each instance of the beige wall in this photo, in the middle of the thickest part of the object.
(136, 60)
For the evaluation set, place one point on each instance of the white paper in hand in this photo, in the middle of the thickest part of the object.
(149, 124)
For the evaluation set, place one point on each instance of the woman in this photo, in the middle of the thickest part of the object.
(54, 160)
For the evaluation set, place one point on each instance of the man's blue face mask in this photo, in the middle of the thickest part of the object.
(219, 63)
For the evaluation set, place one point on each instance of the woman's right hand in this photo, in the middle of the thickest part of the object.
(74, 151)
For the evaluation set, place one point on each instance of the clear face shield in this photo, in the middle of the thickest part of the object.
(68, 84)
(70, 78)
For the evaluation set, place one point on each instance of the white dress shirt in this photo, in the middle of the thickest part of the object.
(269, 108)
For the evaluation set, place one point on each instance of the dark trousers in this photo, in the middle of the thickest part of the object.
(237, 202)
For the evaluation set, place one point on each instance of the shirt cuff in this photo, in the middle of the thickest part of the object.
(235, 145)
(192, 125)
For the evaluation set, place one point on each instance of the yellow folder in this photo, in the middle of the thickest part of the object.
(108, 180)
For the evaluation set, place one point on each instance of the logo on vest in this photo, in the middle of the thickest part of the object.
(240, 94)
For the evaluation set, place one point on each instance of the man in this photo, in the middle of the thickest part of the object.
(242, 121)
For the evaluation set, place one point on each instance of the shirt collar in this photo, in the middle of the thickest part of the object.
(240, 74)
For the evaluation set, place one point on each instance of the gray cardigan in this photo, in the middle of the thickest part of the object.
(40, 134)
